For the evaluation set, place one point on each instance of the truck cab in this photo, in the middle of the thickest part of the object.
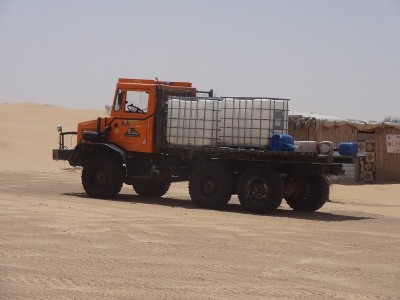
(132, 122)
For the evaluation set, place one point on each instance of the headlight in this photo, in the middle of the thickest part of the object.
(59, 128)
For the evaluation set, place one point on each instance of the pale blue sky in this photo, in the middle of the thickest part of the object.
(339, 58)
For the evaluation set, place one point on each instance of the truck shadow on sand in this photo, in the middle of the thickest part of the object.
(231, 208)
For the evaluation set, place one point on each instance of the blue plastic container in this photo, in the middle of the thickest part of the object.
(281, 142)
(348, 149)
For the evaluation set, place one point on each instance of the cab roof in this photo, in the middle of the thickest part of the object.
(154, 82)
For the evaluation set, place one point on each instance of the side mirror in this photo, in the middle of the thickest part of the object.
(118, 101)
(119, 97)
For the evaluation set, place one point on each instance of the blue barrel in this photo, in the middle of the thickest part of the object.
(281, 142)
(348, 149)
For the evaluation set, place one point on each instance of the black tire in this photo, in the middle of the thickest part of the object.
(260, 190)
(311, 193)
(151, 187)
(102, 177)
(211, 185)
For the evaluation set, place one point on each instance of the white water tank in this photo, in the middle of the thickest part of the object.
(238, 122)
(192, 122)
(251, 122)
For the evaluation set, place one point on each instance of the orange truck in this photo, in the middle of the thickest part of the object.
(160, 132)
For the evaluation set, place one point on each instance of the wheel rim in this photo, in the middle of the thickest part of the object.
(257, 189)
(209, 186)
(100, 177)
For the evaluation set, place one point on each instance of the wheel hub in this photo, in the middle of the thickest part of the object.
(209, 186)
(100, 177)
(302, 189)
(258, 189)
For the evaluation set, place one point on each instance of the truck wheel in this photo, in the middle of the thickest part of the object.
(260, 190)
(311, 193)
(210, 185)
(102, 177)
(150, 187)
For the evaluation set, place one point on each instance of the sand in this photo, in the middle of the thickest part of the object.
(56, 243)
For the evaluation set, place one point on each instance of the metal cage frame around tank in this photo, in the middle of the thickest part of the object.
(184, 120)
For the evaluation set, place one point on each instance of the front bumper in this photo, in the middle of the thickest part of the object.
(62, 154)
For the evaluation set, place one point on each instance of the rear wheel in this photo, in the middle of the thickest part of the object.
(260, 190)
(151, 187)
(102, 177)
(310, 193)
(210, 185)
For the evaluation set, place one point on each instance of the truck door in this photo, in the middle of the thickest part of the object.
(134, 122)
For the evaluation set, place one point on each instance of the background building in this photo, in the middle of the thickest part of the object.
(378, 142)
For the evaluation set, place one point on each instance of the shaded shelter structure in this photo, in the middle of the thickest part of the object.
(378, 142)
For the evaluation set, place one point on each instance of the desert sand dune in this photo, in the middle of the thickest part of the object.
(56, 243)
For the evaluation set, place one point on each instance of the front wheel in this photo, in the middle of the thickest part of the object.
(151, 187)
(102, 177)
(310, 193)
(260, 189)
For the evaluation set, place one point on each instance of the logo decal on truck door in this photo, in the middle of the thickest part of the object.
(131, 132)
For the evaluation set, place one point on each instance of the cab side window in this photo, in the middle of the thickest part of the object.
(137, 102)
